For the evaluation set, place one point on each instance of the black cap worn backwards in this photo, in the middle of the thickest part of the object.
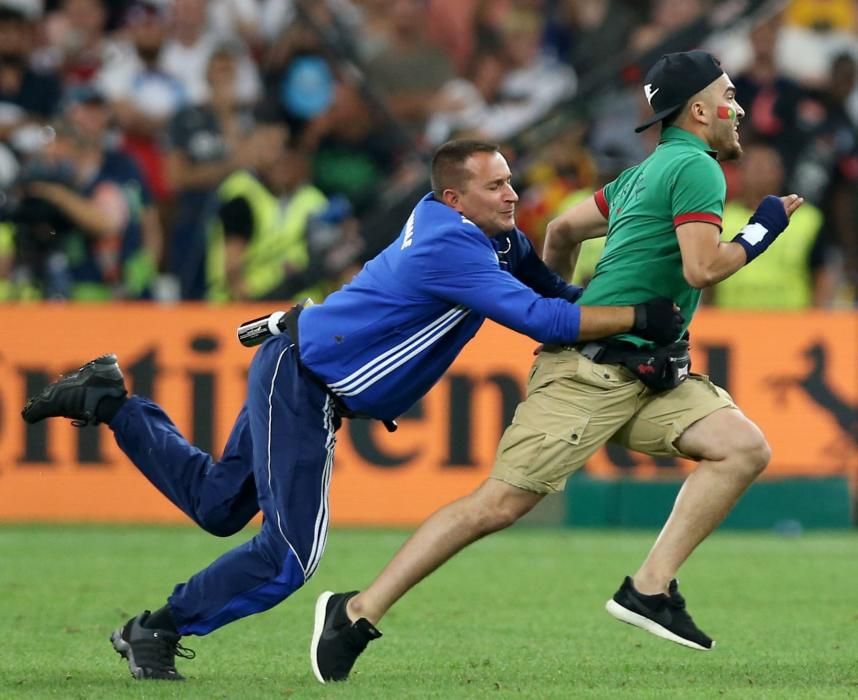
(674, 79)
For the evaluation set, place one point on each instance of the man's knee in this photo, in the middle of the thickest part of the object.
(494, 517)
(224, 518)
(224, 521)
(729, 438)
(497, 505)
(219, 528)
(758, 452)
(750, 449)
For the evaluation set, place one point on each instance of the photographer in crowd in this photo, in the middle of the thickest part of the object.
(83, 225)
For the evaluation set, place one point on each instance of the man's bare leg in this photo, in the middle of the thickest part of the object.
(732, 453)
(494, 506)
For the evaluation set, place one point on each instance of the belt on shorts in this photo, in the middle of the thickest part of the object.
(660, 368)
(290, 323)
(604, 353)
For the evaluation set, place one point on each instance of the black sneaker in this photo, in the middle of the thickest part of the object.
(77, 394)
(663, 615)
(151, 653)
(337, 642)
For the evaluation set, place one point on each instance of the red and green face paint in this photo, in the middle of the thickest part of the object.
(726, 113)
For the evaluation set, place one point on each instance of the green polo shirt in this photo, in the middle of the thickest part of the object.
(680, 182)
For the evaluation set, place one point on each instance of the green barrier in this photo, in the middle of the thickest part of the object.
(787, 505)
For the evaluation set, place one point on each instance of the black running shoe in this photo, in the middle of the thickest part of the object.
(151, 653)
(77, 394)
(337, 642)
(663, 615)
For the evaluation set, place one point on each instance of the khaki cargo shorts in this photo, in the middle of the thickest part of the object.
(574, 406)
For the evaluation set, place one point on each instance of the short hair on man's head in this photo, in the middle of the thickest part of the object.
(448, 163)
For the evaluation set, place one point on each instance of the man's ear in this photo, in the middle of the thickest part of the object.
(700, 112)
(450, 197)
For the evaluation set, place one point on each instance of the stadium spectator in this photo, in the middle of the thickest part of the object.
(142, 245)
(371, 27)
(411, 70)
(452, 25)
(461, 26)
(274, 17)
(813, 34)
(798, 270)
(827, 166)
(188, 47)
(471, 105)
(770, 98)
(536, 79)
(235, 19)
(31, 9)
(352, 151)
(205, 143)
(77, 40)
(91, 203)
(142, 94)
(299, 70)
(586, 33)
(510, 85)
(258, 238)
(28, 93)
(447, 264)
(666, 18)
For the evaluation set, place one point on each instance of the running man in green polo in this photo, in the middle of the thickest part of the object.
(663, 224)
(662, 219)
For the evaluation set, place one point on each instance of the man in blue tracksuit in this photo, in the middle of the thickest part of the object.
(370, 350)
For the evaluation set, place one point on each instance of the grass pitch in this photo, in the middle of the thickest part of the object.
(519, 614)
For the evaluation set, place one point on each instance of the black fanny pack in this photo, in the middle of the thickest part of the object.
(659, 369)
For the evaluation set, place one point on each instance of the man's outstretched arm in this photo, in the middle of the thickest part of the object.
(706, 259)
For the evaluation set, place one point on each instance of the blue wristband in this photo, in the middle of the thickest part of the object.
(764, 226)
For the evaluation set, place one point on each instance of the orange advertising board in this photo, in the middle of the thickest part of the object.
(796, 375)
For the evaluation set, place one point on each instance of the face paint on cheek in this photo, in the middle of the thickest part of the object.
(726, 113)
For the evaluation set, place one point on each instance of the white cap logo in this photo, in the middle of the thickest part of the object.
(649, 92)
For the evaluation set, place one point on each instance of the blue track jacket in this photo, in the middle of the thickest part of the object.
(385, 338)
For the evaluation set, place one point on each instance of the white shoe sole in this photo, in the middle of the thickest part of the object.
(318, 626)
(627, 616)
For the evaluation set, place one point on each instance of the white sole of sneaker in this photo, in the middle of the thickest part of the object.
(318, 625)
(631, 618)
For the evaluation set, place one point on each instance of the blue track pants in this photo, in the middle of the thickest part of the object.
(278, 459)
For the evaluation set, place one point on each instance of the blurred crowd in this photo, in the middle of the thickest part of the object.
(237, 149)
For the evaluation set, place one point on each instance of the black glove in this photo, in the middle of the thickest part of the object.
(658, 321)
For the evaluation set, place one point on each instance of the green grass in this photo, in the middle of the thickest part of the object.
(517, 615)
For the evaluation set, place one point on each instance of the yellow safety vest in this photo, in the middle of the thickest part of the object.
(9, 290)
(839, 14)
(7, 250)
(780, 278)
(278, 237)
